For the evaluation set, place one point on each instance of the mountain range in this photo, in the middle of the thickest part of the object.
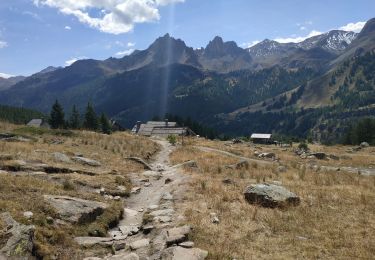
(223, 85)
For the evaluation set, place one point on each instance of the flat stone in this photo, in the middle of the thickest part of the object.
(177, 235)
(130, 212)
(147, 184)
(164, 219)
(187, 244)
(74, 209)
(86, 161)
(270, 195)
(61, 157)
(117, 235)
(147, 229)
(139, 244)
(162, 212)
(167, 196)
(153, 207)
(152, 174)
(92, 241)
(125, 256)
(180, 253)
(129, 230)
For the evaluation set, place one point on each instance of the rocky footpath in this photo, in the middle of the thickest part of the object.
(151, 227)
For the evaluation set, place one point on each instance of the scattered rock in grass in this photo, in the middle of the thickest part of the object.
(270, 195)
(320, 155)
(17, 240)
(364, 144)
(86, 161)
(74, 209)
(281, 169)
(180, 253)
(190, 164)
(240, 165)
(129, 230)
(147, 184)
(214, 218)
(61, 157)
(267, 155)
(28, 214)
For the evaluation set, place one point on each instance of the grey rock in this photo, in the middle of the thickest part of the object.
(139, 244)
(189, 164)
(177, 235)
(167, 196)
(86, 161)
(146, 166)
(242, 164)
(270, 195)
(28, 214)
(18, 239)
(124, 256)
(267, 155)
(320, 155)
(164, 219)
(162, 212)
(187, 244)
(94, 241)
(281, 169)
(180, 253)
(74, 209)
(129, 230)
(152, 174)
(61, 157)
(214, 218)
(364, 144)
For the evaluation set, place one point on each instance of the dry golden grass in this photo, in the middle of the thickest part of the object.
(23, 192)
(336, 218)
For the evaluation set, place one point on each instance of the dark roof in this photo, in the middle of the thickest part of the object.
(161, 128)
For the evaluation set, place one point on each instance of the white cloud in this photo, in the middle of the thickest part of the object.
(72, 60)
(3, 44)
(354, 27)
(5, 76)
(249, 44)
(303, 28)
(117, 16)
(124, 53)
(299, 38)
(67, 27)
(131, 44)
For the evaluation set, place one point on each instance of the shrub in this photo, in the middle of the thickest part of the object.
(303, 146)
(172, 139)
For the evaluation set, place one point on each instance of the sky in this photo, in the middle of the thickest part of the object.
(35, 34)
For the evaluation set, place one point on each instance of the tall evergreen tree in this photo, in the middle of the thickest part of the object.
(105, 124)
(57, 116)
(91, 120)
(74, 120)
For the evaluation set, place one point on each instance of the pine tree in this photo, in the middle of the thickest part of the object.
(105, 125)
(57, 116)
(91, 120)
(74, 120)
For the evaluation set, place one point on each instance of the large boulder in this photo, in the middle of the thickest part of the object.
(180, 253)
(74, 209)
(364, 144)
(86, 161)
(17, 239)
(320, 155)
(270, 195)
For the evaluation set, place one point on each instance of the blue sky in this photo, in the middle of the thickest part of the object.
(37, 33)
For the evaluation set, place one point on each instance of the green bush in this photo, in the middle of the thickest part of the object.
(172, 139)
(303, 146)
